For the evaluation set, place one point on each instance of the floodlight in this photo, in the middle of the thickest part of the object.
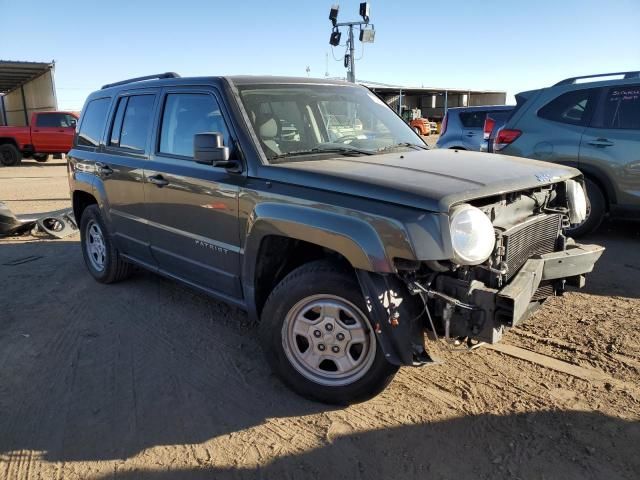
(333, 13)
(364, 11)
(367, 35)
(335, 38)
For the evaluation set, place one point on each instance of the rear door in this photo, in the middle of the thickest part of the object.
(53, 132)
(611, 144)
(193, 208)
(553, 133)
(472, 125)
(121, 170)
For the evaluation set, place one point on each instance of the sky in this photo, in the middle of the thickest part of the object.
(494, 45)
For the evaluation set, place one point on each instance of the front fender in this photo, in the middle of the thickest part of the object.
(351, 237)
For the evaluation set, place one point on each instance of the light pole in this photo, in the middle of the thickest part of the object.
(367, 35)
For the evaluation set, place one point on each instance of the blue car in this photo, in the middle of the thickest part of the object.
(462, 128)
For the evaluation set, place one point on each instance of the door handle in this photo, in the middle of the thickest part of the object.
(470, 134)
(104, 169)
(601, 142)
(158, 180)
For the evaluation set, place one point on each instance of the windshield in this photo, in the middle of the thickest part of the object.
(302, 122)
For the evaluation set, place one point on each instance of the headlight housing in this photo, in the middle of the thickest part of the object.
(472, 235)
(577, 202)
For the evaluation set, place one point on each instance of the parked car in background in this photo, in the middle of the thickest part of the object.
(48, 133)
(592, 123)
(462, 127)
(493, 122)
(338, 242)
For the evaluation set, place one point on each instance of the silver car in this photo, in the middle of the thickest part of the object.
(462, 128)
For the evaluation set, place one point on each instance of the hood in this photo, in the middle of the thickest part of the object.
(431, 180)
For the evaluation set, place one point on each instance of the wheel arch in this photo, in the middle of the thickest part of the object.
(281, 237)
(80, 201)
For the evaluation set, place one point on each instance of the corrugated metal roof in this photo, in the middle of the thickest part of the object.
(15, 73)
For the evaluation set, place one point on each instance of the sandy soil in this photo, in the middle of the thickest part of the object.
(147, 379)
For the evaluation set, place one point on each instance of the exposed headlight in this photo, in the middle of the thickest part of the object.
(577, 200)
(472, 235)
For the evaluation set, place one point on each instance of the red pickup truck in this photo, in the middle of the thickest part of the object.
(49, 132)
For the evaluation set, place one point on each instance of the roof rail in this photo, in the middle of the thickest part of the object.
(140, 79)
(572, 80)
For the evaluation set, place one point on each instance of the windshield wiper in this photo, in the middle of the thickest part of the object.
(415, 146)
(342, 150)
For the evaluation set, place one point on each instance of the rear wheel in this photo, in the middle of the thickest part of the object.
(10, 155)
(318, 339)
(100, 255)
(40, 157)
(596, 210)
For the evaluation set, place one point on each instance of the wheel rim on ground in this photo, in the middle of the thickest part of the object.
(327, 339)
(95, 246)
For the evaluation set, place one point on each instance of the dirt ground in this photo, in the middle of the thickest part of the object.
(147, 379)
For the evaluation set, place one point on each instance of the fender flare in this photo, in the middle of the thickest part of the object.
(351, 237)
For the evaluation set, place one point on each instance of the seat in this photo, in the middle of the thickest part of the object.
(268, 131)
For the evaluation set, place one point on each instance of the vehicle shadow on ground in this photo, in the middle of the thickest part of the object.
(97, 372)
(554, 445)
(617, 273)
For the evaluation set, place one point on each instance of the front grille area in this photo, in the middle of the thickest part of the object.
(535, 237)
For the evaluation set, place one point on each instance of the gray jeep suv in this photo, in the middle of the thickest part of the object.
(591, 123)
(350, 242)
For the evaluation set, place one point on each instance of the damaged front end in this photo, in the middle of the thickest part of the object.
(532, 259)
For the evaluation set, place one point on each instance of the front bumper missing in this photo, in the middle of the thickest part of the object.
(463, 309)
(513, 302)
(489, 311)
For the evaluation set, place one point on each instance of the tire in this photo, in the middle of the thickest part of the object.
(100, 255)
(40, 157)
(299, 300)
(10, 156)
(596, 210)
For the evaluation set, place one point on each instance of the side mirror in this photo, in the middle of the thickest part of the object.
(208, 150)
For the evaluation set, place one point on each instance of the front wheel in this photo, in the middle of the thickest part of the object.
(318, 338)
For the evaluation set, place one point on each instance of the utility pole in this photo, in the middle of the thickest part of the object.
(351, 73)
(367, 35)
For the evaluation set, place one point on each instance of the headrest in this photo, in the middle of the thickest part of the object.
(268, 128)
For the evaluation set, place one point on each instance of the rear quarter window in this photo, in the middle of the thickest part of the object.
(93, 122)
(621, 108)
(473, 119)
(574, 108)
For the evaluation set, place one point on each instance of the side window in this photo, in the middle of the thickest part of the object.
(69, 121)
(473, 119)
(52, 120)
(621, 108)
(93, 120)
(132, 122)
(572, 107)
(186, 114)
(116, 126)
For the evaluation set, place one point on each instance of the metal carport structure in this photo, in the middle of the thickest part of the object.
(434, 101)
(25, 87)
